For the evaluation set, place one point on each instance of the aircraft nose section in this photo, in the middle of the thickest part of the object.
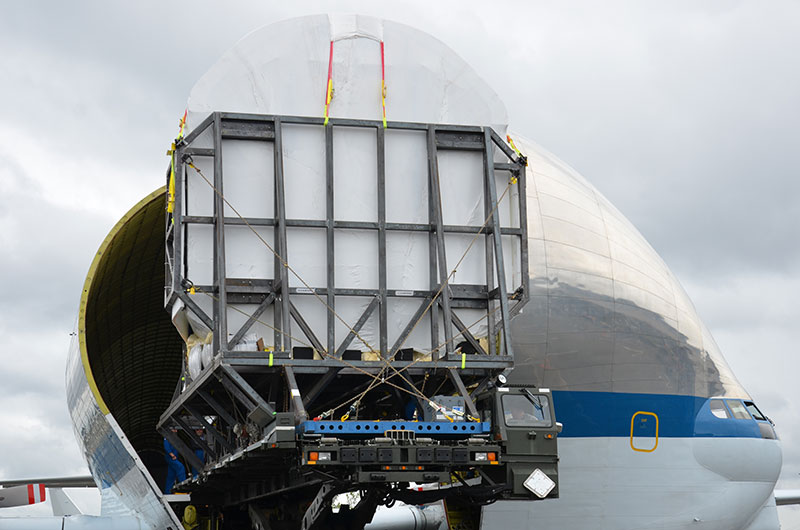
(746, 470)
(741, 459)
(735, 440)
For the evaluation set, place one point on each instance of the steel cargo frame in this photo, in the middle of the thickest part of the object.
(234, 371)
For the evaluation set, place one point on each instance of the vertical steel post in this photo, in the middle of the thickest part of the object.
(432, 267)
(383, 315)
(502, 293)
(436, 202)
(220, 302)
(178, 271)
(522, 188)
(329, 239)
(488, 243)
(283, 252)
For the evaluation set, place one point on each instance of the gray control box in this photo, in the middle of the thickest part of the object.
(452, 403)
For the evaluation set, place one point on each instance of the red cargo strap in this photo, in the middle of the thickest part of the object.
(329, 85)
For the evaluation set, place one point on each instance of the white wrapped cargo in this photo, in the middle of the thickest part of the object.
(284, 70)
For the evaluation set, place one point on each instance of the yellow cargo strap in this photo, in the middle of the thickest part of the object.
(171, 187)
(383, 86)
(329, 87)
(522, 157)
(171, 154)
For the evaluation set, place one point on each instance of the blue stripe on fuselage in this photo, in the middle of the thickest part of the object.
(592, 414)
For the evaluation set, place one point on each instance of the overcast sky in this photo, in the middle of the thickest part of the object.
(684, 114)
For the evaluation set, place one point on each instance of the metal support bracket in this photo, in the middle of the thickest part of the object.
(196, 439)
(209, 428)
(456, 378)
(315, 514)
(294, 391)
(320, 385)
(182, 448)
(260, 412)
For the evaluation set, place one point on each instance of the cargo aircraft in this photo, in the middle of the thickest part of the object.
(657, 431)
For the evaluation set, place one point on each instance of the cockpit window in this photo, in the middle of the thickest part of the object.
(738, 409)
(526, 411)
(718, 408)
(754, 411)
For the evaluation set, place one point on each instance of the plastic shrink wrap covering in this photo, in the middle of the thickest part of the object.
(283, 70)
(207, 355)
(195, 361)
(248, 343)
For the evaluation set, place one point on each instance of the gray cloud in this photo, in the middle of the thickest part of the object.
(685, 118)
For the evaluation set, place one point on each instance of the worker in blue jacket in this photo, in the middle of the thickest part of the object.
(199, 452)
(175, 470)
